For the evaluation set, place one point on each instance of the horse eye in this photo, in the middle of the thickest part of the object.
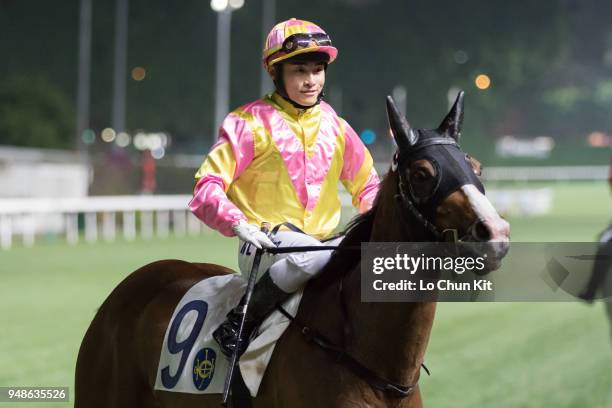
(418, 176)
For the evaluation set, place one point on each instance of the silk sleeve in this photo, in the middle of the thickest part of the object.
(228, 157)
(358, 175)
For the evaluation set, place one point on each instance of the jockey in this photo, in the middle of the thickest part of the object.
(279, 159)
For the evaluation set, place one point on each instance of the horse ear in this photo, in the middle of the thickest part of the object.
(402, 132)
(451, 125)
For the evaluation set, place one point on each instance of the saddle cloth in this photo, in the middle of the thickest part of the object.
(190, 360)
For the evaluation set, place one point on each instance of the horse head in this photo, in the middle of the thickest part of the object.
(438, 186)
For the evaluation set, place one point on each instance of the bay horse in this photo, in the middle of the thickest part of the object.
(431, 187)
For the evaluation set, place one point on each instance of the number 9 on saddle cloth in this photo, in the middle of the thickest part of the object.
(289, 271)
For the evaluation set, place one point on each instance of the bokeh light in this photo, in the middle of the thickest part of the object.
(88, 136)
(460, 57)
(236, 4)
(123, 139)
(158, 153)
(151, 141)
(218, 5)
(482, 81)
(368, 136)
(108, 135)
(138, 73)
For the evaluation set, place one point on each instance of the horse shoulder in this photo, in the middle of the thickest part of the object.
(315, 378)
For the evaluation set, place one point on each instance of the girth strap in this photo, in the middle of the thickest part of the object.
(341, 356)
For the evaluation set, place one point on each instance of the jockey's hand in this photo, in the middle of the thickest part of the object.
(252, 234)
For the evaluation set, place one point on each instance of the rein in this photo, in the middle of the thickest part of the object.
(341, 356)
(284, 250)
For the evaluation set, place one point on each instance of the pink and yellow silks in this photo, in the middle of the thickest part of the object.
(273, 162)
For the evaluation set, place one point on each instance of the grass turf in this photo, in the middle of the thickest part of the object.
(487, 354)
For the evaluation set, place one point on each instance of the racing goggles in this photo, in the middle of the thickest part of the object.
(304, 40)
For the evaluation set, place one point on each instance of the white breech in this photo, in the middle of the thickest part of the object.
(289, 271)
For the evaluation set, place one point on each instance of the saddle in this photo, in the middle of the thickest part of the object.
(199, 367)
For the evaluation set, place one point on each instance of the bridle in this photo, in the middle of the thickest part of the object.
(407, 200)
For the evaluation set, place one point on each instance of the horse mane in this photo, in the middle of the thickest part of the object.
(342, 260)
(358, 230)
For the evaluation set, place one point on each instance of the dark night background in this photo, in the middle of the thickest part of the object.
(550, 63)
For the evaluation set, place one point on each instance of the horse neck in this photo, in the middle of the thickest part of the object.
(390, 338)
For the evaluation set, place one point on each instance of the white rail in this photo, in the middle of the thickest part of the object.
(127, 217)
(144, 216)
(548, 173)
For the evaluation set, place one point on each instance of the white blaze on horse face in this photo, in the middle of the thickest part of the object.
(486, 213)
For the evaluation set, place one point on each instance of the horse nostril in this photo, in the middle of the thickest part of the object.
(481, 231)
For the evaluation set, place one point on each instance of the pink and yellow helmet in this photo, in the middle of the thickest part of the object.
(293, 37)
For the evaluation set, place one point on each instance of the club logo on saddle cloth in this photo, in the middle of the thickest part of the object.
(191, 361)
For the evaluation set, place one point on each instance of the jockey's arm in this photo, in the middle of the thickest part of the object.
(358, 175)
(231, 154)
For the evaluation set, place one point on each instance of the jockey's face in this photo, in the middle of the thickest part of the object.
(304, 81)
